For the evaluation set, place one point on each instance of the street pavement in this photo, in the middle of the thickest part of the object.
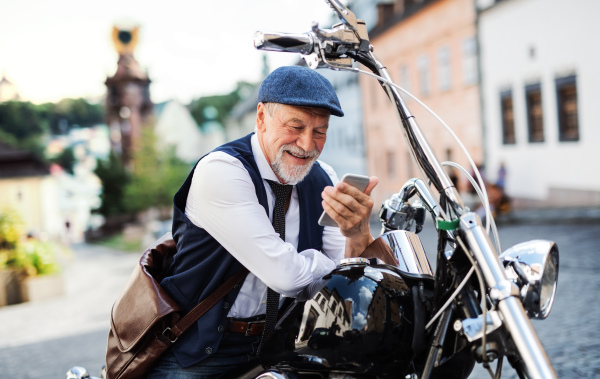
(44, 339)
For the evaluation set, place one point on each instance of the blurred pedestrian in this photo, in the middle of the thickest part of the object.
(501, 179)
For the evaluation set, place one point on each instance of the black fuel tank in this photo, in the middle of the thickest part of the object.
(358, 319)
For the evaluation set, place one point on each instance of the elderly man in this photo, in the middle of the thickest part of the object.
(224, 220)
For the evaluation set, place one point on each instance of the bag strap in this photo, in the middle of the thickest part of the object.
(192, 316)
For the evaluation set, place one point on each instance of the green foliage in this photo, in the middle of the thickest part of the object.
(156, 177)
(223, 103)
(21, 119)
(32, 256)
(114, 178)
(37, 257)
(12, 228)
(21, 126)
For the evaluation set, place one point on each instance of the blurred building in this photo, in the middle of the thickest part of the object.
(128, 104)
(430, 49)
(79, 192)
(176, 127)
(27, 187)
(539, 82)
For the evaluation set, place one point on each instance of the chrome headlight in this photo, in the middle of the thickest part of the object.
(533, 267)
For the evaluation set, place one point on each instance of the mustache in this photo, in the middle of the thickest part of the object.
(299, 152)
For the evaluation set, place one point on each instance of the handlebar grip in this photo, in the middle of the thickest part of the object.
(286, 42)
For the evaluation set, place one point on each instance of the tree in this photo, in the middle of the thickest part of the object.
(114, 178)
(156, 177)
(66, 160)
(70, 112)
(22, 127)
(21, 119)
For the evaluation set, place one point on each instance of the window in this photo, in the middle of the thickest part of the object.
(469, 61)
(445, 74)
(424, 76)
(385, 11)
(535, 115)
(323, 303)
(566, 98)
(508, 118)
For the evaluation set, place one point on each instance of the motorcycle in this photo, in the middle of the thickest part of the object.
(368, 319)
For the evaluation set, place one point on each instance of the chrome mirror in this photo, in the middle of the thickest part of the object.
(533, 267)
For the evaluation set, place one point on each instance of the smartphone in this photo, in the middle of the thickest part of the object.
(358, 181)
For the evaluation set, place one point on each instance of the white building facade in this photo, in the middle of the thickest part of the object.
(539, 65)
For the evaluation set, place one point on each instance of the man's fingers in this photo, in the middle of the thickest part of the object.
(338, 204)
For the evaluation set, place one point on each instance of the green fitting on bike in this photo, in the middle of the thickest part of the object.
(447, 225)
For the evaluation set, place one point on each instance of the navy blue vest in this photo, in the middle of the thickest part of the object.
(201, 264)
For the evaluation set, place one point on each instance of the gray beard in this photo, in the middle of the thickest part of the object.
(293, 174)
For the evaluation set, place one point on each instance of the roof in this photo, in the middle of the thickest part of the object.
(15, 163)
(397, 17)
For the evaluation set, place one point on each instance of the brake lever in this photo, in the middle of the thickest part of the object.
(346, 15)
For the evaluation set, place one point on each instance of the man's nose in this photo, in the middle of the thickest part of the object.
(305, 140)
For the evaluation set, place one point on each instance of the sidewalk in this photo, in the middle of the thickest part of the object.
(92, 279)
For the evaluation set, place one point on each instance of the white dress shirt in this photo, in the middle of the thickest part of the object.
(222, 200)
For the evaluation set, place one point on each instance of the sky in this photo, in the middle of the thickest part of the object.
(58, 49)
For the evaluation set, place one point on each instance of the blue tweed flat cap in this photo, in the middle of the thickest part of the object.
(300, 86)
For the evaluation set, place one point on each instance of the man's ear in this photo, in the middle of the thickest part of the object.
(261, 114)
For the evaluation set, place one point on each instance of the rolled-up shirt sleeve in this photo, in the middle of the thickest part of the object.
(223, 201)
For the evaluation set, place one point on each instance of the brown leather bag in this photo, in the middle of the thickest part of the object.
(145, 321)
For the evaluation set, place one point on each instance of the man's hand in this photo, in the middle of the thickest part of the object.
(351, 209)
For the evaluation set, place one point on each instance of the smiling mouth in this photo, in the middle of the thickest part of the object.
(299, 156)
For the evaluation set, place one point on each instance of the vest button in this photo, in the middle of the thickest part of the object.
(208, 350)
(225, 305)
(221, 328)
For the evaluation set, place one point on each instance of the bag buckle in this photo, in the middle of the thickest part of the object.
(250, 323)
(169, 338)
